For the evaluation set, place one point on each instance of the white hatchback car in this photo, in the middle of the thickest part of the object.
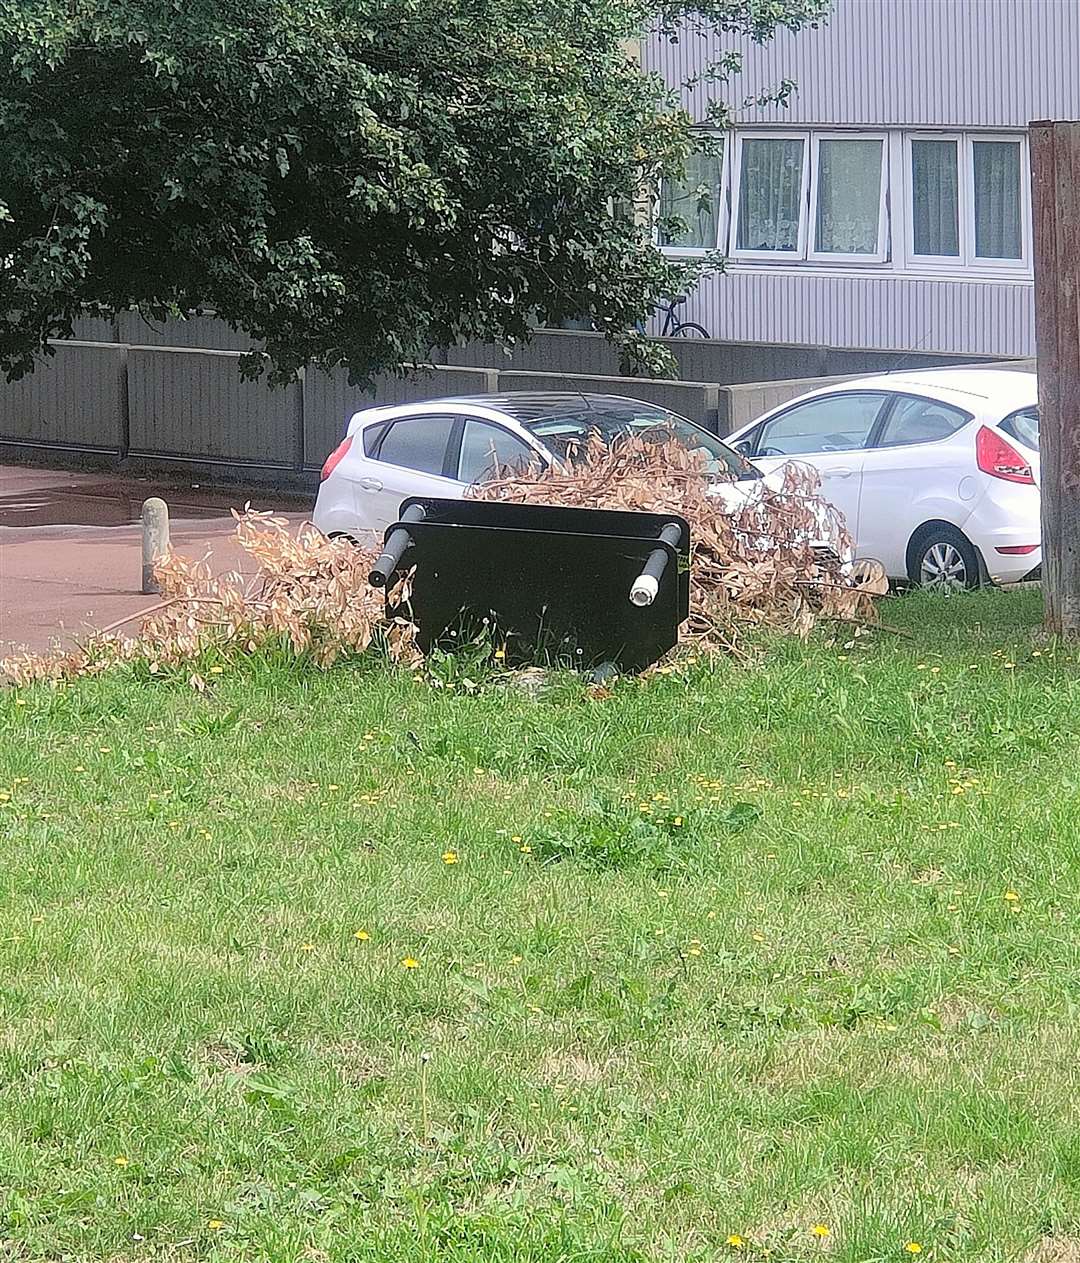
(440, 447)
(936, 472)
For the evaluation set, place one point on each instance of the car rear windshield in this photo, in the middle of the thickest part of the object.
(562, 433)
(1024, 427)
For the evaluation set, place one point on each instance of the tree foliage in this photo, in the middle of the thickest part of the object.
(351, 181)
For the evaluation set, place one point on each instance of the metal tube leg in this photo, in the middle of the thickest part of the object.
(394, 549)
(647, 584)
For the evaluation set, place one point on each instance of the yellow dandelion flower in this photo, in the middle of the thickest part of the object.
(215, 1225)
(516, 838)
(333, 788)
(913, 1247)
(362, 935)
(307, 947)
(449, 857)
(735, 1241)
(1011, 896)
(121, 1161)
(515, 960)
(410, 962)
(217, 670)
(820, 1230)
(525, 848)
(677, 822)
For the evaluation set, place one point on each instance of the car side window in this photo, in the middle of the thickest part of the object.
(486, 448)
(373, 437)
(1024, 426)
(418, 443)
(833, 423)
(920, 421)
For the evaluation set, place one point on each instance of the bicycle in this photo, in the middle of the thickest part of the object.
(673, 327)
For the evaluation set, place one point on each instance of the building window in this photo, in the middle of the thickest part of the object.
(952, 203)
(689, 217)
(771, 196)
(966, 202)
(935, 199)
(997, 199)
(848, 197)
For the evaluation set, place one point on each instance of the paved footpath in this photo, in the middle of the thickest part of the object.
(70, 546)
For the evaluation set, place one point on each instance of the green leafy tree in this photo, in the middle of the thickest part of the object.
(350, 181)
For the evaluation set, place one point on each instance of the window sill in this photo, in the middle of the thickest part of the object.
(868, 271)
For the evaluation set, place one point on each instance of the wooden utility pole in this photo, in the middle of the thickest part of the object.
(1055, 193)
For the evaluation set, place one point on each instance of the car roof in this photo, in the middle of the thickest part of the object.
(997, 384)
(536, 405)
(1000, 385)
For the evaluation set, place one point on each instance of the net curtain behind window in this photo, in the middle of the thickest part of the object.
(935, 198)
(849, 196)
(770, 194)
(997, 199)
(695, 200)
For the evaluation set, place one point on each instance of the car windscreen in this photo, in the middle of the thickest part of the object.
(1023, 425)
(563, 433)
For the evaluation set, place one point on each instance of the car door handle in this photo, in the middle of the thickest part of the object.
(839, 471)
(371, 484)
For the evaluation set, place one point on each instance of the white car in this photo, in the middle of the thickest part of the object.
(936, 472)
(439, 447)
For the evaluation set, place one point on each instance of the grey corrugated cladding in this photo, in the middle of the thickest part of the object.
(903, 63)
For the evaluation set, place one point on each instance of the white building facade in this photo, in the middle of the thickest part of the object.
(888, 204)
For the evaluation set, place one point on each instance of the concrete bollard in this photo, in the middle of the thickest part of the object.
(155, 539)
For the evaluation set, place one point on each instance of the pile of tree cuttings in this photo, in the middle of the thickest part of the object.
(769, 552)
(754, 561)
(309, 596)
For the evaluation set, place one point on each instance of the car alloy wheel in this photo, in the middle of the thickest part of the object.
(943, 567)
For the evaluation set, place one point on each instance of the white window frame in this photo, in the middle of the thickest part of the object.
(769, 256)
(828, 256)
(971, 259)
(967, 264)
(722, 210)
(935, 262)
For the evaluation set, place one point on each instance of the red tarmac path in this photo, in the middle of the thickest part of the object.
(70, 546)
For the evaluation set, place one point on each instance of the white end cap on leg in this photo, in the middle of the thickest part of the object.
(644, 590)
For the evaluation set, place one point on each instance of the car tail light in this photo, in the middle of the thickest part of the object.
(1017, 550)
(1000, 459)
(335, 458)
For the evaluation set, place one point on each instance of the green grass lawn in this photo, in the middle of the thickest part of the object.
(728, 956)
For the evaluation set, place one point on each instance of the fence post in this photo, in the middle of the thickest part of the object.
(1055, 191)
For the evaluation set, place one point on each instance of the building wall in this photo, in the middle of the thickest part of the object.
(977, 66)
(946, 63)
(887, 313)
